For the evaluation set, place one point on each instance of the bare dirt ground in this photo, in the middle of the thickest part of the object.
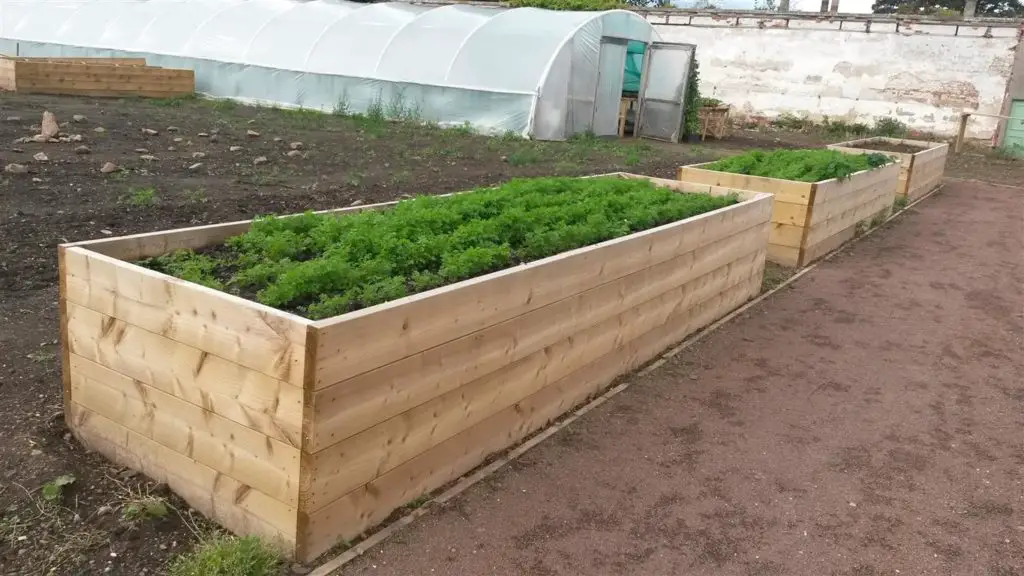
(866, 420)
(66, 198)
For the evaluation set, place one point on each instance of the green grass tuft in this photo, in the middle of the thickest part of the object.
(227, 556)
(800, 165)
(140, 197)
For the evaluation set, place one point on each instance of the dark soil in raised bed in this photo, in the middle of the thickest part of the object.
(883, 146)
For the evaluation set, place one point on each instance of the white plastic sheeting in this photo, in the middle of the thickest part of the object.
(530, 71)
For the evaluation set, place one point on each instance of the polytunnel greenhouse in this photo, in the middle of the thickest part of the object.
(538, 73)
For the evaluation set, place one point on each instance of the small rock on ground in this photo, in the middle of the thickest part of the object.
(198, 155)
(142, 150)
(172, 128)
(14, 118)
(78, 118)
(108, 168)
(149, 132)
(99, 129)
(195, 167)
(147, 157)
(48, 127)
(40, 157)
(235, 148)
(83, 150)
(293, 154)
(252, 133)
(296, 145)
(16, 169)
(260, 160)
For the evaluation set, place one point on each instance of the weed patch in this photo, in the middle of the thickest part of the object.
(323, 265)
(227, 556)
(800, 165)
(140, 197)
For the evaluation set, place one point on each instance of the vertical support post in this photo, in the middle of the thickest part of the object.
(783, 5)
(970, 8)
(824, 6)
(835, 7)
(961, 132)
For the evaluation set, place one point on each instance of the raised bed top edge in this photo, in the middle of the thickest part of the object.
(925, 145)
(85, 247)
(895, 162)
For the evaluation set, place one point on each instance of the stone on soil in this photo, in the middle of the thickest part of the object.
(83, 150)
(48, 128)
(15, 169)
(78, 118)
(40, 157)
(260, 160)
(108, 168)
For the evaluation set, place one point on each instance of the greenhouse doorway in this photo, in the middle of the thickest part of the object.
(662, 96)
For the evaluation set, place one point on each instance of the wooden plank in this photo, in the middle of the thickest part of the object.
(65, 347)
(353, 462)
(856, 183)
(356, 404)
(788, 213)
(269, 406)
(243, 454)
(235, 329)
(368, 505)
(784, 190)
(837, 239)
(786, 235)
(366, 339)
(100, 72)
(8, 76)
(784, 255)
(84, 60)
(234, 505)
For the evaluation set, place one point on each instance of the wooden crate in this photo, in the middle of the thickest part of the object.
(810, 219)
(920, 172)
(309, 432)
(94, 77)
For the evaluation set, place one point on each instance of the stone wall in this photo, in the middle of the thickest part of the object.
(857, 69)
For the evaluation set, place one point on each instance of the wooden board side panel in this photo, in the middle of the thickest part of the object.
(353, 462)
(856, 184)
(230, 448)
(104, 79)
(370, 504)
(234, 505)
(8, 75)
(353, 405)
(244, 396)
(364, 340)
(242, 332)
(929, 168)
(784, 190)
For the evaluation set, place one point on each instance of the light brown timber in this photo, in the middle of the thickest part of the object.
(920, 172)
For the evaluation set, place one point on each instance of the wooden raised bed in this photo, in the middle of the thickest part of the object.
(309, 432)
(920, 172)
(94, 77)
(810, 219)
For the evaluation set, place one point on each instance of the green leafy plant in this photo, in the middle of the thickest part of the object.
(54, 489)
(710, 102)
(692, 100)
(323, 265)
(140, 197)
(227, 556)
(144, 509)
(800, 165)
(891, 127)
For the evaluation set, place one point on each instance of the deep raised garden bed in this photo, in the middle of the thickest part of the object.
(309, 432)
(810, 219)
(922, 163)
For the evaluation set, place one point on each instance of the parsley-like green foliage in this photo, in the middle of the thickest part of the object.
(323, 265)
(800, 165)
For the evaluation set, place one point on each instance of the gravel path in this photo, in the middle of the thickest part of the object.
(867, 420)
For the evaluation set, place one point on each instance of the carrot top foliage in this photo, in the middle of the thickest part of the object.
(800, 165)
(322, 265)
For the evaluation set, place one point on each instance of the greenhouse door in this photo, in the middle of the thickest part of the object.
(611, 69)
(663, 90)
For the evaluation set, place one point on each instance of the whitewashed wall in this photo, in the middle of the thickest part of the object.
(922, 74)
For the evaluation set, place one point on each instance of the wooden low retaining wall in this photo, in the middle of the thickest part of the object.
(94, 77)
(810, 219)
(309, 432)
(920, 172)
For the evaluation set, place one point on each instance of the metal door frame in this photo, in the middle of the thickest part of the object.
(641, 96)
